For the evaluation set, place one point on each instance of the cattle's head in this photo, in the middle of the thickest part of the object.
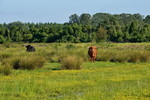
(92, 49)
(28, 46)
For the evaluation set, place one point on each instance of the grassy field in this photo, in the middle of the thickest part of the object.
(105, 79)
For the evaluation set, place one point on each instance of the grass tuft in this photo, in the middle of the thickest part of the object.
(5, 55)
(6, 70)
(25, 62)
(71, 62)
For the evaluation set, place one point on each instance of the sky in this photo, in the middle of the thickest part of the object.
(58, 11)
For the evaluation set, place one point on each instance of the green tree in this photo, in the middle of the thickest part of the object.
(101, 35)
(99, 18)
(27, 37)
(68, 38)
(74, 19)
(85, 19)
(147, 19)
(126, 37)
(2, 39)
(133, 27)
(40, 37)
(18, 37)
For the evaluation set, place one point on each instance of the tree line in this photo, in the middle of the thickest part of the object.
(84, 28)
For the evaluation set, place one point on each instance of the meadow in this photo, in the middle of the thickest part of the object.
(121, 72)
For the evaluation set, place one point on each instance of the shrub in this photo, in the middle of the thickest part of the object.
(25, 62)
(6, 70)
(71, 62)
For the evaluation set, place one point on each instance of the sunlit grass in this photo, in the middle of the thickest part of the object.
(120, 79)
(99, 80)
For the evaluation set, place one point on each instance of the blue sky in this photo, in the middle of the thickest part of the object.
(59, 10)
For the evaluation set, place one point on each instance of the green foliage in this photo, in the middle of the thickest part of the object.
(80, 29)
(27, 37)
(99, 18)
(133, 27)
(85, 19)
(74, 18)
(2, 39)
(147, 19)
(101, 35)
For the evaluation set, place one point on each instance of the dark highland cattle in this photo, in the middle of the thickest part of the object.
(30, 48)
(92, 52)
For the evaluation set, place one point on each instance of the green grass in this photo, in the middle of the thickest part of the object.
(101, 80)
(96, 81)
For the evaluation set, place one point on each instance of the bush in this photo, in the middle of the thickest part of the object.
(25, 62)
(6, 70)
(71, 62)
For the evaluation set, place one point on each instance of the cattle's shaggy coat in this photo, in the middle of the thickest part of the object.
(30, 48)
(92, 52)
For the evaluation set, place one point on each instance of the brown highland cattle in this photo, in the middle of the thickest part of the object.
(92, 52)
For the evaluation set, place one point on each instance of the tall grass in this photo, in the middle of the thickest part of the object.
(54, 52)
(25, 62)
(106, 52)
(139, 56)
(71, 62)
(6, 70)
(104, 55)
(114, 55)
(4, 55)
(119, 56)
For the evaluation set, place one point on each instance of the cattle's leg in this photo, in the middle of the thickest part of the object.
(90, 59)
(94, 58)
